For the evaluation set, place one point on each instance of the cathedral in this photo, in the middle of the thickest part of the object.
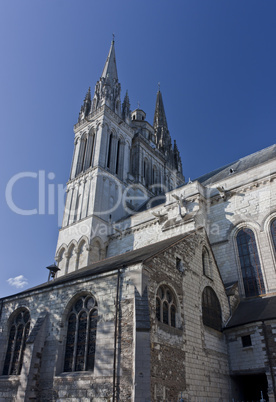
(163, 289)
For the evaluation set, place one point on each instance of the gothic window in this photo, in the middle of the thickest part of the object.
(88, 157)
(211, 311)
(118, 157)
(250, 263)
(273, 233)
(81, 335)
(206, 263)
(17, 342)
(81, 156)
(109, 151)
(166, 306)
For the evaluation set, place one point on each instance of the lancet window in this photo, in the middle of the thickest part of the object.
(273, 233)
(81, 335)
(250, 263)
(17, 342)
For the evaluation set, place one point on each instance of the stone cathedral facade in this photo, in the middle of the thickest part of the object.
(163, 289)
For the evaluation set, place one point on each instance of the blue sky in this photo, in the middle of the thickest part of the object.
(216, 63)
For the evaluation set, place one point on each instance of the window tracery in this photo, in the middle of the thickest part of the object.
(166, 306)
(17, 342)
(250, 263)
(81, 335)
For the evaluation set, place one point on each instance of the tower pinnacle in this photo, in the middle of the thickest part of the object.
(108, 88)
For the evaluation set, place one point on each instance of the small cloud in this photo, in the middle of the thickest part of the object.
(18, 282)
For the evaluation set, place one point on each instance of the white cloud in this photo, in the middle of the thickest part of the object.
(18, 282)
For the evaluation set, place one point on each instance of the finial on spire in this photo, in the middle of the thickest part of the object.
(158, 86)
(138, 105)
(113, 35)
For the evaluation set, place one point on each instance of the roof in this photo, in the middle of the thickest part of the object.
(253, 310)
(240, 165)
(110, 264)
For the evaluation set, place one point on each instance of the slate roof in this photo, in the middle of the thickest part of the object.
(253, 310)
(109, 264)
(240, 165)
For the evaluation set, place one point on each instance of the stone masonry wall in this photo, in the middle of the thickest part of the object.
(57, 301)
(190, 360)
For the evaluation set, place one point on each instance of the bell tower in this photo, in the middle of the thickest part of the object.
(99, 173)
(120, 161)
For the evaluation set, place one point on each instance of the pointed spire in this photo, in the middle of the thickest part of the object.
(159, 114)
(163, 138)
(110, 68)
(108, 88)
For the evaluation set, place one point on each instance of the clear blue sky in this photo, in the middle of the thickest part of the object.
(215, 60)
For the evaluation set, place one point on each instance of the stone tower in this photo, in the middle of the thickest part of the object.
(119, 162)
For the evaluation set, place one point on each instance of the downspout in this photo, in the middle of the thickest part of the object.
(115, 337)
(269, 358)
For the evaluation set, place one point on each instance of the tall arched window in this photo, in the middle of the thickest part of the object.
(273, 233)
(118, 157)
(250, 263)
(81, 335)
(211, 311)
(81, 155)
(108, 164)
(166, 306)
(17, 342)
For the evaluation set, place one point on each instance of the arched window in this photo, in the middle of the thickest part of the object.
(250, 263)
(17, 342)
(273, 233)
(206, 263)
(81, 335)
(166, 306)
(81, 155)
(211, 311)
(108, 164)
(118, 157)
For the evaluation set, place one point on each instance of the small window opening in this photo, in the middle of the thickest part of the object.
(246, 341)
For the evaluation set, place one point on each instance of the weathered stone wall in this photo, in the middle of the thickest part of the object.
(52, 383)
(190, 359)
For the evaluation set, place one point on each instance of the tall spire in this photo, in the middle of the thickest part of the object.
(163, 138)
(159, 114)
(110, 68)
(108, 88)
